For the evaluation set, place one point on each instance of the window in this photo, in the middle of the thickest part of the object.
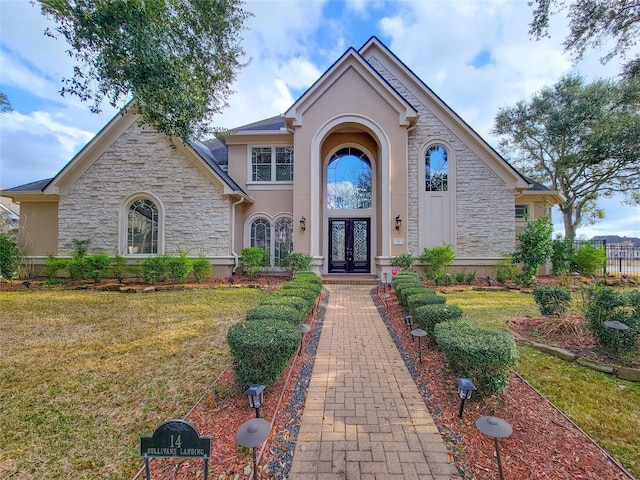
(349, 180)
(522, 212)
(276, 239)
(436, 169)
(269, 163)
(142, 227)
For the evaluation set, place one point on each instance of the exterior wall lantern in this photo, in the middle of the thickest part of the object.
(303, 223)
(255, 394)
(398, 222)
(465, 389)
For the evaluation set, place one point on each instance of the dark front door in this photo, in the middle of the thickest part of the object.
(349, 245)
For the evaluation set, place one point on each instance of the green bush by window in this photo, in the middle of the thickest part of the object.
(201, 268)
(154, 269)
(437, 260)
(252, 259)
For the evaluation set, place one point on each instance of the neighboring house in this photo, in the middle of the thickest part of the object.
(367, 164)
(9, 215)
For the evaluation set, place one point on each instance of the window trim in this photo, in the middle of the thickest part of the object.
(527, 215)
(123, 230)
(273, 165)
(271, 220)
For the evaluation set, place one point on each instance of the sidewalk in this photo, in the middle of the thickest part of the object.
(364, 417)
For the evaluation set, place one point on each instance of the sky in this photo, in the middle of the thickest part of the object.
(476, 55)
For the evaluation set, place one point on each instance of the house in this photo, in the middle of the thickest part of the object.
(367, 164)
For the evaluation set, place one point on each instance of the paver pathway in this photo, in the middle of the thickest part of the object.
(364, 417)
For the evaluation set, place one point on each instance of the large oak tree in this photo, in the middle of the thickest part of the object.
(580, 139)
(176, 58)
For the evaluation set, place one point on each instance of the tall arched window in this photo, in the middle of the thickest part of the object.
(142, 227)
(261, 237)
(436, 169)
(349, 180)
(282, 240)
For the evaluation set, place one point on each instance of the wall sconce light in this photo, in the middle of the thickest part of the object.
(398, 222)
(303, 224)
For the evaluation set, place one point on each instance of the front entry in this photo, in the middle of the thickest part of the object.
(349, 245)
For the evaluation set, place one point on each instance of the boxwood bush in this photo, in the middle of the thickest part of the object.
(481, 354)
(309, 277)
(308, 295)
(607, 303)
(428, 316)
(298, 303)
(261, 350)
(275, 312)
(552, 300)
(421, 299)
(295, 284)
(407, 284)
(404, 293)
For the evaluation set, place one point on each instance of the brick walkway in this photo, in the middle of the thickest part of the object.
(364, 417)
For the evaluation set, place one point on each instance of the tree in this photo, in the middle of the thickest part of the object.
(591, 24)
(535, 247)
(5, 104)
(176, 58)
(579, 139)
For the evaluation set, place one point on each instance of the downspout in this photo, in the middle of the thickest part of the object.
(233, 235)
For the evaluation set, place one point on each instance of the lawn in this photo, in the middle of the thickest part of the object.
(606, 408)
(84, 373)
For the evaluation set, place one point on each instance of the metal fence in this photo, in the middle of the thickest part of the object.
(622, 259)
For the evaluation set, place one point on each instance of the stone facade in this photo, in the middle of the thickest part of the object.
(196, 214)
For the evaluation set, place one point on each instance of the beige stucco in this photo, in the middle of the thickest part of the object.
(38, 230)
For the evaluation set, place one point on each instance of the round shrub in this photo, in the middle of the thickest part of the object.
(606, 303)
(405, 293)
(298, 303)
(481, 354)
(552, 300)
(421, 299)
(309, 277)
(316, 288)
(403, 277)
(428, 316)
(308, 295)
(261, 350)
(398, 287)
(275, 312)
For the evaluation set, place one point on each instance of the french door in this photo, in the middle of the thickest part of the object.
(349, 245)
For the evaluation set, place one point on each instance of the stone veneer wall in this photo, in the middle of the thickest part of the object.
(484, 206)
(196, 214)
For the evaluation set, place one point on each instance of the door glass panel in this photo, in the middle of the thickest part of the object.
(338, 237)
(360, 241)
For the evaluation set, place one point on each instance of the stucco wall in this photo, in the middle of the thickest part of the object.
(38, 231)
(484, 205)
(196, 214)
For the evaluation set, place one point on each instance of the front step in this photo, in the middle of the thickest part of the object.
(350, 279)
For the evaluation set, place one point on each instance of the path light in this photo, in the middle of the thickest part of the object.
(465, 388)
(617, 327)
(251, 434)
(255, 393)
(304, 328)
(408, 321)
(497, 428)
(418, 332)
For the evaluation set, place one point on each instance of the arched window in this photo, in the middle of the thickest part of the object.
(276, 239)
(436, 169)
(142, 227)
(349, 180)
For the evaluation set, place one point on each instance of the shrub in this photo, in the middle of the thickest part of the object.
(79, 248)
(308, 277)
(404, 276)
(471, 278)
(261, 350)
(589, 259)
(606, 303)
(252, 260)
(275, 312)
(561, 255)
(299, 284)
(505, 269)
(178, 268)
(478, 353)
(118, 267)
(308, 295)
(534, 247)
(52, 265)
(296, 262)
(403, 261)
(421, 299)
(428, 316)
(154, 269)
(96, 264)
(400, 287)
(298, 303)
(201, 268)
(10, 255)
(412, 290)
(552, 300)
(461, 277)
(437, 260)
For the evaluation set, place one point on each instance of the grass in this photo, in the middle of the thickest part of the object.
(606, 408)
(84, 373)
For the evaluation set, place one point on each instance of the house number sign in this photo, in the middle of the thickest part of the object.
(175, 438)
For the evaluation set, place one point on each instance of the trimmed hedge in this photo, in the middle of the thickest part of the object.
(295, 284)
(408, 284)
(298, 303)
(307, 295)
(428, 316)
(308, 277)
(405, 293)
(404, 275)
(421, 299)
(275, 312)
(552, 300)
(478, 353)
(261, 350)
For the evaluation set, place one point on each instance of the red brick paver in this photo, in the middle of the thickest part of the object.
(364, 417)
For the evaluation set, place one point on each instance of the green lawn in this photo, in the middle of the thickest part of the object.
(606, 408)
(84, 373)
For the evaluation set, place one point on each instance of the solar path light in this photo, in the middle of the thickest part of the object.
(497, 428)
(408, 322)
(304, 328)
(251, 434)
(465, 388)
(255, 394)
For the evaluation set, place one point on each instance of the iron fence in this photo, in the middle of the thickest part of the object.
(622, 258)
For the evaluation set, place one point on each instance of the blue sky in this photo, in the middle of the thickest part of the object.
(476, 55)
